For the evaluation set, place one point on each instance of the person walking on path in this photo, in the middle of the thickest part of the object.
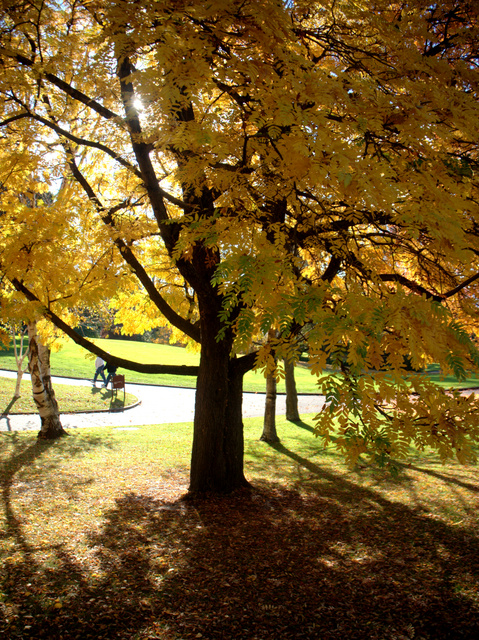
(111, 368)
(99, 369)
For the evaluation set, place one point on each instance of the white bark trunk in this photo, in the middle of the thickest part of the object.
(43, 394)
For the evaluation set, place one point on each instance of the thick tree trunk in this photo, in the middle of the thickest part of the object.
(43, 394)
(269, 424)
(217, 454)
(292, 412)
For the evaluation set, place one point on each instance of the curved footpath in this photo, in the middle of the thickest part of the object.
(158, 405)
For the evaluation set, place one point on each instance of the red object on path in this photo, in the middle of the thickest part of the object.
(118, 382)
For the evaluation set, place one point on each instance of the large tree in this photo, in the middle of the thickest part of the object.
(258, 166)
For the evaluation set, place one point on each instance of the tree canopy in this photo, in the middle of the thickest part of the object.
(236, 167)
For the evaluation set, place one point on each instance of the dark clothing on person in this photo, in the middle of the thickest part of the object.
(111, 368)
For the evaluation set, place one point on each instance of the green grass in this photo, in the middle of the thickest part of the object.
(96, 543)
(449, 381)
(70, 398)
(73, 361)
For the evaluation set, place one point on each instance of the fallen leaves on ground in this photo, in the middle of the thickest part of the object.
(329, 562)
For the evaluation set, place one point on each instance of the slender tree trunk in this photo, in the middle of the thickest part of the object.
(292, 412)
(269, 425)
(18, 383)
(43, 394)
(19, 356)
(217, 454)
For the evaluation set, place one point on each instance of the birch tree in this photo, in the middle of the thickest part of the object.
(42, 389)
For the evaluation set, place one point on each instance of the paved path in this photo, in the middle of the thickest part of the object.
(158, 405)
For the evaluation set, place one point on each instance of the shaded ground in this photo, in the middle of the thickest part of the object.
(329, 560)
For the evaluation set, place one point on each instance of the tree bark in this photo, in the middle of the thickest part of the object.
(18, 383)
(292, 412)
(43, 394)
(217, 453)
(269, 425)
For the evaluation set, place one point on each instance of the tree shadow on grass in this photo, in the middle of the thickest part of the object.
(443, 477)
(23, 454)
(303, 425)
(18, 453)
(333, 561)
(9, 407)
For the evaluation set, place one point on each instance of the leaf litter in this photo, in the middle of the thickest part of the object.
(321, 554)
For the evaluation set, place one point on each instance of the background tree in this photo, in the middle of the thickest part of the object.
(276, 165)
(292, 411)
(269, 424)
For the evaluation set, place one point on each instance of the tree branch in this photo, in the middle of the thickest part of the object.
(332, 269)
(107, 216)
(417, 288)
(81, 141)
(244, 363)
(19, 116)
(63, 86)
(412, 286)
(181, 370)
(169, 232)
(461, 286)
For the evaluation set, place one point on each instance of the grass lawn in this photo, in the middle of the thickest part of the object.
(70, 398)
(73, 361)
(96, 543)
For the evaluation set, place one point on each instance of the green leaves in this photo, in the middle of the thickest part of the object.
(382, 417)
